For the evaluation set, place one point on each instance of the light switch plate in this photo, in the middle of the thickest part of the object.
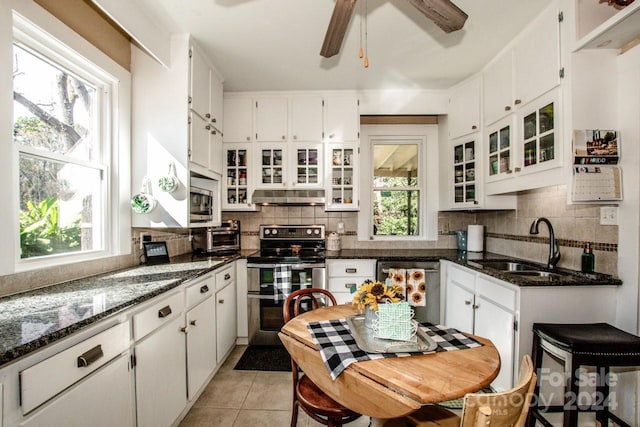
(609, 215)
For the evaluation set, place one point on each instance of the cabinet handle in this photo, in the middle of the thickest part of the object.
(164, 311)
(90, 356)
(507, 108)
(284, 137)
(204, 289)
(467, 302)
(213, 132)
(248, 138)
(518, 101)
(295, 137)
(518, 169)
(331, 135)
(227, 276)
(475, 202)
(351, 270)
(208, 116)
(349, 285)
(509, 171)
(192, 323)
(221, 301)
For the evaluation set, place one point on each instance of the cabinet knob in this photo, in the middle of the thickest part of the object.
(284, 137)
(214, 120)
(184, 330)
(507, 108)
(227, 276)
(509, 171)
(332, 135)
(193, 322)
(467, 302)
(207, 127)
(213, 132)
(208, 116)
(248, 138)
(475, 202)
(295, 137)
(475, 306)
(204, 289)
(221, 301)
(518, 101)
(474, 127)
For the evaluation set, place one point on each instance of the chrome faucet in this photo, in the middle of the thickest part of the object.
(554, 250)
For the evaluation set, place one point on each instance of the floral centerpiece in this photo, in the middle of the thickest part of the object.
(371, 293)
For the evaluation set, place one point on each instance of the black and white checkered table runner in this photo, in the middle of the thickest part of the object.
(338, 347)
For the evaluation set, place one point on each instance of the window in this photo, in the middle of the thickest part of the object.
(56, 129)
(70, 136)
(399, 178)
(396, 193)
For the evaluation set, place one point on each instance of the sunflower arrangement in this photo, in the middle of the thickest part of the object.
(371, 293)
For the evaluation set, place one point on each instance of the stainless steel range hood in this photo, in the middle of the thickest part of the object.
(289, 197)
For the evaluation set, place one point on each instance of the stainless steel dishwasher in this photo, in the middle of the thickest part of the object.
(430, 312)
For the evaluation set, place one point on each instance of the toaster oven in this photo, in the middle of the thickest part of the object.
(224, 239)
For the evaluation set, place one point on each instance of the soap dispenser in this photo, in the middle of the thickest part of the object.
(588, 259)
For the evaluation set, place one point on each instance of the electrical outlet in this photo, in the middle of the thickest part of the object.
(144, 237)
(609, 215)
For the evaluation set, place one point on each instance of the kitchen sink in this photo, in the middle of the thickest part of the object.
(538, 273)
(511, 266)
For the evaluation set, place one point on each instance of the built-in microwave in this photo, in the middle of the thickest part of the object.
(203, 201)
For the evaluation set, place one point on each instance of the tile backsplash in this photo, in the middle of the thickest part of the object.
(506, 232)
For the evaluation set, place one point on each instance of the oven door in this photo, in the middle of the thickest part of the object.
(266, 300)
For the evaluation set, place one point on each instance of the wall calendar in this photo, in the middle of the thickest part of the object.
(596, 174)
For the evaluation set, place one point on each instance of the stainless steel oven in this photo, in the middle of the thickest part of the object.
(201, 205)
(298, 250)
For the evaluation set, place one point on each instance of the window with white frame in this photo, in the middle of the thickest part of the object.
(399, 183)
(64, 123)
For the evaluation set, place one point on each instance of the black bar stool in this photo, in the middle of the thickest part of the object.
(586, 344)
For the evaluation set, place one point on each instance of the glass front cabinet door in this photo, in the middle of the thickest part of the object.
(272, 170)
(238, 175)
(539, 134)
(308, 166)
(342, 190)
(500, 150)
(464, 173)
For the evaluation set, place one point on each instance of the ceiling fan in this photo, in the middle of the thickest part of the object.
(443, 13)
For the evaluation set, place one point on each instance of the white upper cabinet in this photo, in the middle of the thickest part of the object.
(199, 83)
(341, 119)
(306, 118)
(238, 126)
(537, 58)
(498, 88)
(271, 119)
(464, 108)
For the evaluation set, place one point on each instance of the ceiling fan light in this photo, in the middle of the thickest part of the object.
(443, 13)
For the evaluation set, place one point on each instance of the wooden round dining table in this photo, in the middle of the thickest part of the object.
(396, 386)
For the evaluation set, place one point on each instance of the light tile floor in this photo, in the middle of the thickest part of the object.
(248, 399)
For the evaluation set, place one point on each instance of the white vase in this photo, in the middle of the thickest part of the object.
(369, 315)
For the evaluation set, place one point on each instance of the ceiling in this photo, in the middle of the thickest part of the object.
(275, 44)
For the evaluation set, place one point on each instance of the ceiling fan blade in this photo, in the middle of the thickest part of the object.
(337, 27)
(443, 13)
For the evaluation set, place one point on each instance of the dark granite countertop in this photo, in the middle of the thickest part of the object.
(467, 259)
(31, 320)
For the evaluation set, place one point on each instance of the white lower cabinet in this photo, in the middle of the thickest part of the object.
(345, 274)
(102, 399)
(161, 382)
(504, 313)
(201, 344)
(226, 328)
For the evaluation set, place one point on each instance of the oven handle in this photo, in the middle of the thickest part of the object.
(257, 295)
(293, 266)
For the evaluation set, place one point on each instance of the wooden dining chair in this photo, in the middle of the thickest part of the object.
(505, 409)
(306, 394)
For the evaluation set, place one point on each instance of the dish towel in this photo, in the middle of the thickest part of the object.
(416, 287)
(398, 277)
(281, 282)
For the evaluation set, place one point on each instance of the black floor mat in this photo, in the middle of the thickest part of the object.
(264, 358)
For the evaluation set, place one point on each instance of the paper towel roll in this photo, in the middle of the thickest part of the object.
(475, 238)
